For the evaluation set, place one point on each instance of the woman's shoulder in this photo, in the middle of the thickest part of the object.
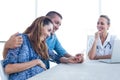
(24, 36)
(90, 38)
(112, 36)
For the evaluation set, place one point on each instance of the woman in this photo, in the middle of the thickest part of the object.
(32, 56)
(101, 46)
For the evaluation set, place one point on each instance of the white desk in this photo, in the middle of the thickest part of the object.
(90, 70)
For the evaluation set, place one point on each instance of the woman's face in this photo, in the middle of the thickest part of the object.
(47, 29)
(102, 25)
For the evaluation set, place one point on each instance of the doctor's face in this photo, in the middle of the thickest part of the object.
(102, 25)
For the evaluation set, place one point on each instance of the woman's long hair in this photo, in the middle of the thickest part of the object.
(35, 31)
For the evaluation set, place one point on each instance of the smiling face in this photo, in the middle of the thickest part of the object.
(102, 25)
(56, 22)
(47, 29)
(56, 19)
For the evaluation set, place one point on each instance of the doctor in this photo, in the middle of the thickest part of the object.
(100, 47)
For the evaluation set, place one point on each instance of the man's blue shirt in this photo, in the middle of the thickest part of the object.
(54, 44)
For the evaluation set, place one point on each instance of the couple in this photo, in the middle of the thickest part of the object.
(29, 53)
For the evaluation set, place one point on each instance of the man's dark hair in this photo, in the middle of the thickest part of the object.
(51, 14)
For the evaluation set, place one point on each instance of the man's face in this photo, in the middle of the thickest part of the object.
(56, 23)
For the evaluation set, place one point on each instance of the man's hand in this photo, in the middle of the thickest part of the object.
(14, 41)
(79, 58)
(73, 59)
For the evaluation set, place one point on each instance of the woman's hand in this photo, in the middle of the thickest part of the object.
(40, 63)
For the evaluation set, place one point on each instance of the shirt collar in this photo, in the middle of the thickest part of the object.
(106, 41)
(108, 38)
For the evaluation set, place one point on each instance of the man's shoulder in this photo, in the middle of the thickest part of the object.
(52, 36)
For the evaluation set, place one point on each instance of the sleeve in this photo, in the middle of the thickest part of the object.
(58, 48)
(54, 57)
(11, 57)
(90, 41)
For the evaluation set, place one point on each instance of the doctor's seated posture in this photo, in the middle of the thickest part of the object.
(101, 46)
(32, 56)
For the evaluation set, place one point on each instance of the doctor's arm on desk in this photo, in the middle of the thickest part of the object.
(103, 57)
(92, 51)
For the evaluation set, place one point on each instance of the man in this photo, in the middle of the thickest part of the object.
(52, 41)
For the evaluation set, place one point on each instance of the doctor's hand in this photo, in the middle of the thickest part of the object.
(97, 35)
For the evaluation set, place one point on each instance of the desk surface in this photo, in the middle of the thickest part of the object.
(89, 70)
